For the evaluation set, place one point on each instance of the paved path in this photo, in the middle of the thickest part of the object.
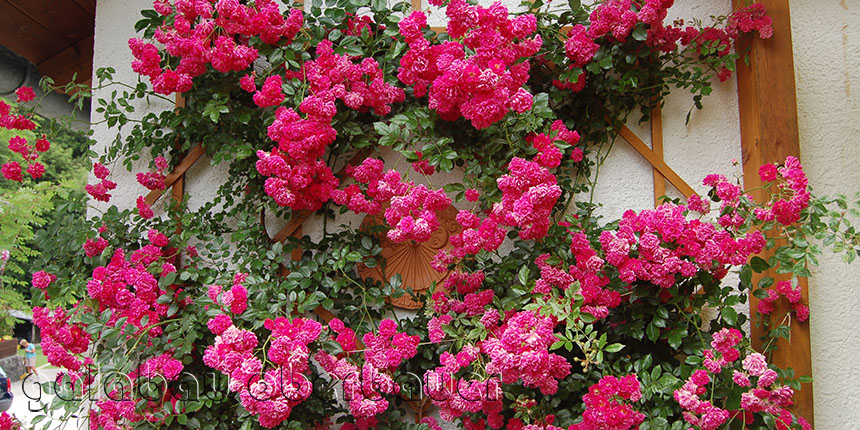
(30, 398)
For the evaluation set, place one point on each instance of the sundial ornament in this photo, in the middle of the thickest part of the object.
(411, 259)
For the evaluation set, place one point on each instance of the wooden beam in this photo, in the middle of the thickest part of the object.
(76, 59)
(177, 172)
(178, 189)
(63, 18)
(179, 184)
(25, 36)
(292, 226)
(768, 120)
(87, 5)
(657, 148)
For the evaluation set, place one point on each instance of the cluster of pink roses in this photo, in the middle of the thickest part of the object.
(411, 210)
(30, 153)
(128, 287)
(597, 300)
(702, 414)
(365, 384)
(422, 166)
(364, 388)
(765, 397)
(479, 74)
(298, 178)
(42, 279)
(657, 245)
(17, 144)
(101, 190)
(361, 87)
(724, 352)
(743, 20)
(515, 350)
(455, 395)
(792, 195)
(61, 339)
(790, 198)
(9, 422)
(614, 20)
(95, 247)
(549, 155)
(793, 294)
(270, 394)
(234, 300)
(380, 187)
(413, 216)
(474, 302)
(154, 180)
(529, 193)
(120, 408)
(201, 35)
(607, 405)
(519, 350)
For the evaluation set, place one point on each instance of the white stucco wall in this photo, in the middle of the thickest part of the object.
(826, 41)
(114, 26)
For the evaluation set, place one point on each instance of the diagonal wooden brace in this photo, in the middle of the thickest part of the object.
(656, 161)
(180, 169)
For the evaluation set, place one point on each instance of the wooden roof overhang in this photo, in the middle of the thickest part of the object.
(55, 35)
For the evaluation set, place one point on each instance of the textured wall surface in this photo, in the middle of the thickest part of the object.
(826, 42)
(826, 39)
(114, 26)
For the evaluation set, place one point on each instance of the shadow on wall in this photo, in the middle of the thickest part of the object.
(17, 71)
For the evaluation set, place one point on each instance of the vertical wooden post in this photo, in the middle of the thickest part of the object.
(768, 120)
(179, 185)
(178, 190)
(657, 147)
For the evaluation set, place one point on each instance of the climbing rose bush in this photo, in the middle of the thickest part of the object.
(542, 315)
(19, 119)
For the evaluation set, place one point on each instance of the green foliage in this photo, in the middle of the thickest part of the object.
(30, 211)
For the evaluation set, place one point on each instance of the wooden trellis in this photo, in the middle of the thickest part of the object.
(768, 120)
(654, 155)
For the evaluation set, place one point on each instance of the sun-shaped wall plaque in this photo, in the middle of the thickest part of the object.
(411, 259)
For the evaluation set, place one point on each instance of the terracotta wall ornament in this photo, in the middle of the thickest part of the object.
(411, 259)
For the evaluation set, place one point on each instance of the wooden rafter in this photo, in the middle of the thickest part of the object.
(769, 133)
(56, 36)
